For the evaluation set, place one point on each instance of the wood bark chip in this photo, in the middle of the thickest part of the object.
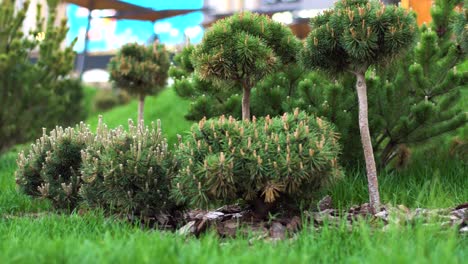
(277, 231)
(294, 225)
(187, 229)
(229, 221)
(228, 228)
(325, 203)
(234, 220)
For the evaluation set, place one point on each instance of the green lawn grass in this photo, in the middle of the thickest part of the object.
(432, 181)
(430, 184)
(95, 239)
(89, 93)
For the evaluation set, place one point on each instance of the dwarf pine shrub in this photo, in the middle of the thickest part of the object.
(50, 168)
(264, 161)
(128, 171)
(238, 52)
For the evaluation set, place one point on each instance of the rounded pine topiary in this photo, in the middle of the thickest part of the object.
(265, 162)
(50, 169)
(241, 50)
(140, 70)
(350, 38)
(128, 171)
(357, 34)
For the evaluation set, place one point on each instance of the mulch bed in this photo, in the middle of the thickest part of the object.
(231, 221)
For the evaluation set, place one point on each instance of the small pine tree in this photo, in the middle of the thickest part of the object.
(417, 99)
(35, 94)
(393, 91)
(353, 36)
(273, 95)
(243, 49)
(140, 70)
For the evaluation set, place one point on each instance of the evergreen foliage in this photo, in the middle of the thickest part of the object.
(335, 100)
(412, 100)
(417, 99)
(394, 91)
(357, 34)
(241, 50)
(128, 171)
(35, 94)
(265, 162)
(50, 168)
(461, 26)
(207, 98)
(289, 88)
(273, 95)
(353, 36)
(140, 70)
(278, 93)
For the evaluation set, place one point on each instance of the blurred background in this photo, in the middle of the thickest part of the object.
(101, 27)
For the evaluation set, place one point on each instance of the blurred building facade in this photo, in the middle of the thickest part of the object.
(30, 20)
(294, 13)
(265, 6)
(229, 6)
(297, 13)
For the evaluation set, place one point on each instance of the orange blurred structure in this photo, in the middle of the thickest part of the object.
(421, 7)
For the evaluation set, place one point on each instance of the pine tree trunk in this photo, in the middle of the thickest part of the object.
(373, 186)
(141, 105)
(246, 103)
